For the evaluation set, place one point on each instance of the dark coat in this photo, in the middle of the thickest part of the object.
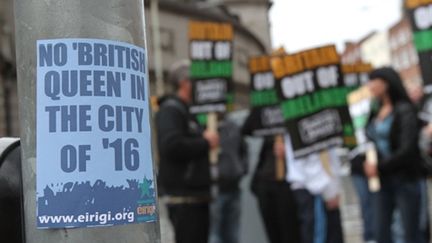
(233, 161)
(184, 166)
(405, 159)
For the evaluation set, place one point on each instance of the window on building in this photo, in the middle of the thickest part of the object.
(393, 42)
(167, 40)
(405, 59)
(403, 37)
(414, 56)
(242, 56)
(396, 62)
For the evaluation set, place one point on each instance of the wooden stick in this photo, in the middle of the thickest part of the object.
(280, 162)
(212, 125)
(325, 161)
(372, 159)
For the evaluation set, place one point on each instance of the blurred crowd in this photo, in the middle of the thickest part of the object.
(299, 199)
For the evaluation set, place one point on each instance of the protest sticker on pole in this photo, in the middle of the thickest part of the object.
(314, 105)
(94, 156)
(211, 53)
(266, 115)
(419, 14)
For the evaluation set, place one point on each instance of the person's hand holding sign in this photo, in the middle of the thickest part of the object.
(370, 169)
(333, 203)
(212, 138)
(279, 149)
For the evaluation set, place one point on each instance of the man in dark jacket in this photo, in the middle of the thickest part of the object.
(184, 167)
(275, 198)
(232, 166)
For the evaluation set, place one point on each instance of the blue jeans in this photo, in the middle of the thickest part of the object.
(366, 205)
(403, 195)
(225, 218)
(318, 224)
(397, 228)
(424, 212)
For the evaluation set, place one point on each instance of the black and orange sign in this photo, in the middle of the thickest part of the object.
(313, 94)
(356, 75)
(211, 52)
(419, 14)
(266, 115)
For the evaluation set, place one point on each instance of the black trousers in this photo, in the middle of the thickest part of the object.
(278, 211)
(307, 205)
(190, 222)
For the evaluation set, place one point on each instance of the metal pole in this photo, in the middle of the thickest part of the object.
(120, 20)
(157, 49)
(3, 114)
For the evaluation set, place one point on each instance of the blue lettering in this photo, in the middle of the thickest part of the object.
(84, 118)
(106, 125)
(85, 54)
(52, 117)
(52, 85)
(68, 158)
(85, 82)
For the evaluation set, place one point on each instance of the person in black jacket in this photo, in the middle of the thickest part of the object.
(394, 129)
(232, 166)
(184, 166)
(276, 201)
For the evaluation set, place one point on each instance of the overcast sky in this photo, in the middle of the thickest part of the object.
(301, 24)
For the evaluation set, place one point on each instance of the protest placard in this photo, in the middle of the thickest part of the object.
(419, 14)
(211, 53)
(314, 105)
(267, 119)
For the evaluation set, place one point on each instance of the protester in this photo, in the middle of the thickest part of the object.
(316, 187)
(366, 198)
(417, 97)
(184, 166)
(275, 198)
(395, 131)
(232, 166)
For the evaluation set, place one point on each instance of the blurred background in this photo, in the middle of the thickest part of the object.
(367, 31)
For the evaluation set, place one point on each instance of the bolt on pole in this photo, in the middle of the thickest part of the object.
(116, 20)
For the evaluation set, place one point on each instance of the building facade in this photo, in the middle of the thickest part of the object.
(403, 53)
(352, 53)
(376, 50)
(254, 14)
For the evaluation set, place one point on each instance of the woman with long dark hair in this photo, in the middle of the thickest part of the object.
(394, 129)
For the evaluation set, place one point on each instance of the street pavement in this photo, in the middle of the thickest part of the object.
(252, 228)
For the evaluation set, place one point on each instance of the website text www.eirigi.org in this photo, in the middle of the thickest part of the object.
(93, 219)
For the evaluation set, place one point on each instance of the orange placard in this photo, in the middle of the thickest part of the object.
(210, 31)
(410, 4)
(357, 68)
(259, 64)
(309, 59)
